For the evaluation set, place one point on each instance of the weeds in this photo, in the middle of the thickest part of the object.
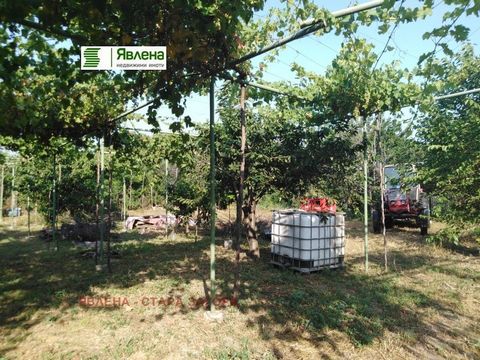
(447, 237)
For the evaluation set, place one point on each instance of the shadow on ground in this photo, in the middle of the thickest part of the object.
(359, 306)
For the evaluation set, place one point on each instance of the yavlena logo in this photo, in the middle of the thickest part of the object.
(91, 57)
(123, 58)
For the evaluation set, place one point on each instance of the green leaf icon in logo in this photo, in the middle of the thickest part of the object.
(91, 57)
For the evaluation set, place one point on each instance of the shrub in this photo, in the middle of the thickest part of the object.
(447, 237)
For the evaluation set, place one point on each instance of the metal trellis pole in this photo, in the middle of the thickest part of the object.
(97, 199)
(12, 204)
(212, 195)
(110, 184)
(166, 197)
(28, 211)
(54, 202)
(447, 96)
(102, 199)
(1, 193)
(365, 190)
(124, 217)
(308, 27)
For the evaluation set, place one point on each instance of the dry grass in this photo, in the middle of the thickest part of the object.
(426, 306)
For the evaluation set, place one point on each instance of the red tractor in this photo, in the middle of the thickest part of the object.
(402, 207)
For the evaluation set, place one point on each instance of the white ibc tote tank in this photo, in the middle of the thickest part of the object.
(308, 241)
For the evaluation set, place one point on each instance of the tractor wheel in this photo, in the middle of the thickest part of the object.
(424, 230)
(377, 222)
(424, 221)
(388, 222)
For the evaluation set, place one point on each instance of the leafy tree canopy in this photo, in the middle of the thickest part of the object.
(40, 62)
(449, 132)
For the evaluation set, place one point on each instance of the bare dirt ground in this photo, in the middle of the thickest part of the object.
(425, 307)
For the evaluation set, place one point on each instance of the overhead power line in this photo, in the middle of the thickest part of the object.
(277, 76)
(389, 37)
(271, 89)
(322, 43)
(306, 57)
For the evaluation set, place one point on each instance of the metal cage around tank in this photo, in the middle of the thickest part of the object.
(307, 241)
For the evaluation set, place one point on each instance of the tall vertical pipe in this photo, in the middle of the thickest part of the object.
(365, 191)
(1, 193)
(54, 202)
(238, 235)
(124, 207)
(212, 195)
(166, 197)
(102, 199)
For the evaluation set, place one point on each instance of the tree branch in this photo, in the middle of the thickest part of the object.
(41, 27)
